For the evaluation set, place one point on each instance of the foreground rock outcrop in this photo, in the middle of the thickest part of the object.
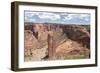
(33, 49)
(35, 54)
(69, 49)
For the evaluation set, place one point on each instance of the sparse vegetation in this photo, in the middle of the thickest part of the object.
(77, 56)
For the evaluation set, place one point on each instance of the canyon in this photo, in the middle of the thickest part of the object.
(46, 41)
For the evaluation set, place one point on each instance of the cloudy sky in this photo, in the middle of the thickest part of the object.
(57, 17)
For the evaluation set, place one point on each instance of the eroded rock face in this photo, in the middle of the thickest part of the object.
(41, 32)
(79, 34)
(66, 40)
(34, 50)
(29, 40)
(36, 54)
(71, 48)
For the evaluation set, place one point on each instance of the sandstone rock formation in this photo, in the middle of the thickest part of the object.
(71, 48)
(33, 51)
(79, 34)
(65, 42)
(36, 54)
(29, 40)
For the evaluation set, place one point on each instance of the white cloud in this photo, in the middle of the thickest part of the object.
(64, 13)
(26, 18)
(79, 16)
(51, 16)
(30, 20)
(84, 17)
(31, 14)
(69, 16)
